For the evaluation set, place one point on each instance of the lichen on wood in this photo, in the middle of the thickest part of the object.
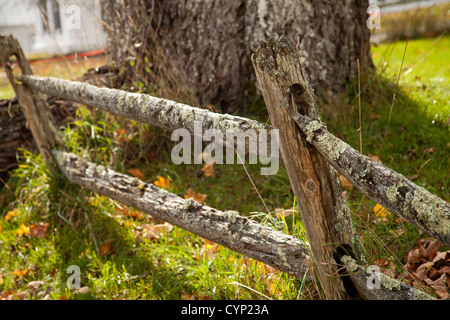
(384, 288)
(226, 228)
(383, 185)
(145, 108)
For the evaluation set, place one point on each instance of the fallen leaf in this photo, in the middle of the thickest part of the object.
(162, 182)
(105, 249)
(380, 211)
(20, 273)
(429, 248)
(202, 296)
(123, 210)
(375, 158)
(199, 197)
(280, 213)
(187, 296)
(4, 295)
(208, 249)
(120, 135)
(137, 173)
(397, 233)
(440, 256)
(212, 108)
(11, 214)
(439, 286)
(208, 169)
(23, 230)
(137, 215)
(153, 232)
(38, 230)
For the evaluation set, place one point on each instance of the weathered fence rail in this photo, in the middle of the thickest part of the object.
(227, 228)
(285, 87)
(144, 108)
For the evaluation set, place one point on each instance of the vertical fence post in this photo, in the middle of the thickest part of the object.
(326, 218)
(34, 107)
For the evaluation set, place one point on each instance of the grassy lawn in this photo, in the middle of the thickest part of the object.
(47, 224)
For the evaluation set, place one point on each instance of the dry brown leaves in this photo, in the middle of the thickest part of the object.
(199, 197)
(429, 268)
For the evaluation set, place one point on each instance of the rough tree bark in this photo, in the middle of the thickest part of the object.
(212, 41)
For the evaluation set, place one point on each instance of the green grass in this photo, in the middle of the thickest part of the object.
(171, 267)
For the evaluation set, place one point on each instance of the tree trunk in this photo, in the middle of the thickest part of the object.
(208, 44)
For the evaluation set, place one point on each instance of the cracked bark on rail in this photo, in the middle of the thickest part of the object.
(325, 215)
(392, 190)
(144, 108)
(227, 228)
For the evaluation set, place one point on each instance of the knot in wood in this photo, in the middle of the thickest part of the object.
(311, 185)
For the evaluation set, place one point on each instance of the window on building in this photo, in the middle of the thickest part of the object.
(49, 10)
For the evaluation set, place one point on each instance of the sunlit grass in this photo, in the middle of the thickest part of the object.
(172, 267)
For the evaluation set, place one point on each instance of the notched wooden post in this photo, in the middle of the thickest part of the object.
(33, 106)
(286, 91)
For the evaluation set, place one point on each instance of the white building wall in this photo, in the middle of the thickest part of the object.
(23, 19)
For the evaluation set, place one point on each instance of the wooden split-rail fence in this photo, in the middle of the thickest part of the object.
(312, 157)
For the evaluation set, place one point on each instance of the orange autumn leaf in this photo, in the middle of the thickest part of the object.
(105, 249)
(162, 182)
(137, 173)
(120, 135)
(5, 295)
(21, 273)
(11, 214)
(38, 230)
(208, 169)
(123, 210)
(136, 215)
(23, 230)
(199, 197)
